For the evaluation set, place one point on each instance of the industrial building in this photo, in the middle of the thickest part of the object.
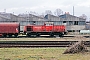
(73, 23)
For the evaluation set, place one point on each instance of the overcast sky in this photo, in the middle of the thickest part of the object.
(39, 6)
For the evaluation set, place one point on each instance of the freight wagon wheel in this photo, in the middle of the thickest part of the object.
(4, 35)
(15, 35)
(9, 35)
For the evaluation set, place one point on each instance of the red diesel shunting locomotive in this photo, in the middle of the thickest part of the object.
(9, 29)
(47, 29)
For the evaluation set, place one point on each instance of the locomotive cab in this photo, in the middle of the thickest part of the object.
(48, 23)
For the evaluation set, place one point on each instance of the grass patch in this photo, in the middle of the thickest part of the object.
(40, 54)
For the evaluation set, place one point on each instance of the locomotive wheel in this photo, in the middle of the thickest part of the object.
(51, 35)
(37, 35)
(60, 35)
(28, 35)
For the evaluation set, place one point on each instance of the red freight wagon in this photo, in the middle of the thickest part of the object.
(9, 29)
(46, 29)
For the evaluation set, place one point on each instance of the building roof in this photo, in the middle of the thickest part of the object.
(71, 17)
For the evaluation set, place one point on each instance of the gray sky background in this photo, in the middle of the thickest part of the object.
(39, 6)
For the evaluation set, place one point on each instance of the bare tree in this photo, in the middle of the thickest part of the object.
(58, 12)
(34, 13)
(48, 12)
(42, 15)
(83, 16)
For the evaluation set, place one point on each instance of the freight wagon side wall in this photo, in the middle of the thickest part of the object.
(9, 28)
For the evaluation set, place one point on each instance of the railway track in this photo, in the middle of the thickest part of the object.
(10, 44)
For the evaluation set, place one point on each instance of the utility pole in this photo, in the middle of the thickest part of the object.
(73, 10)
(4, 10)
